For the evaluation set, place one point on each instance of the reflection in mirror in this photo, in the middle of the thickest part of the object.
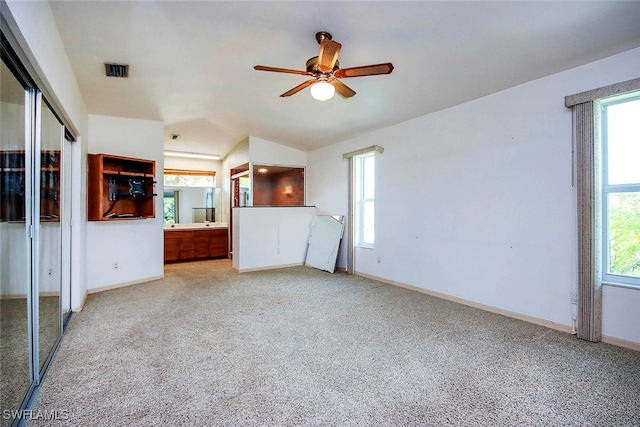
(66, 186)
(278, 185)
(14, 345)
(50, 280)
(191, 197)
(241, 191)
(171, 202)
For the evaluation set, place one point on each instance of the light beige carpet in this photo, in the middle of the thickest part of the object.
(206, 346)
(14, 348)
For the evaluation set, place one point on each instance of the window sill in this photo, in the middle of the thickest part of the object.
(621, 285)
(364, 246)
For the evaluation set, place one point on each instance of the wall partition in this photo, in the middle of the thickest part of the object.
(35, 296)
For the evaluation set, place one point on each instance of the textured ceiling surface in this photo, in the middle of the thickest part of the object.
(191, 63)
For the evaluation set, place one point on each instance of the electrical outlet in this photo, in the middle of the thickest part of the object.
(574, 298)
(115, 265)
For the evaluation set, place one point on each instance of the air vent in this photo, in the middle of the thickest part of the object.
(174, 136)
(116, 70)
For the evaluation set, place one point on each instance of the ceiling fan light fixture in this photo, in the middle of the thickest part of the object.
(322, 90)
(326, 73)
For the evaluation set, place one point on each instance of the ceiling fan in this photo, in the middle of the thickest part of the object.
(325, 70)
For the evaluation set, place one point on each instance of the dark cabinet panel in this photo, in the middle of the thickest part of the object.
(171, 249)
(218, 243)
(187, 245)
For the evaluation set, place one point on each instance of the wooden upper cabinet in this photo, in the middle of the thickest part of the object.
(120, 188)
(13, 178)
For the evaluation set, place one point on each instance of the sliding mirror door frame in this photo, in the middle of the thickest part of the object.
(35, 232)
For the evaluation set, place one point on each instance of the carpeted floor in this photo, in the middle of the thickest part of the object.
(206, 346)
(14, 347)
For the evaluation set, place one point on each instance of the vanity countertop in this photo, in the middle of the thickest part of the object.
(195, 226)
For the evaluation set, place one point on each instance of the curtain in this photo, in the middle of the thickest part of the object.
(589, 313)
(588, 172)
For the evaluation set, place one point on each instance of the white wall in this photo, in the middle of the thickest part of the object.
(270, 237)
(36, 31)
(476, 201)
(238, 156)
(621, 313)
(267, 152)
(136, 245)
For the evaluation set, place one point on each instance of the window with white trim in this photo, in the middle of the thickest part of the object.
(365, 199)
(620, 133)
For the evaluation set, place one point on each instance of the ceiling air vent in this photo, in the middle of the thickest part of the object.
(116, 70)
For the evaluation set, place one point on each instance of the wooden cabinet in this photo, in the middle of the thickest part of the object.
(120, 188)
(187, 245)
(201, 245)
(171, 247)
(12, 186)
(218, 243)
(179, 245)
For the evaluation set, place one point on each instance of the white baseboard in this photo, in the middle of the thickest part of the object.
(82, 303)
(14, 296)
(619, 342)
(507, 313)
(24, 296)
(122, 285)
(270, 267)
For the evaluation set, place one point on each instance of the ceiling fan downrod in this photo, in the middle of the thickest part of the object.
(323, 35)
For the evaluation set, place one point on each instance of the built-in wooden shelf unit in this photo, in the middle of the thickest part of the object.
(120, 188)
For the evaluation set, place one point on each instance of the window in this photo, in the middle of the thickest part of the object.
(365, 192)
(189, 180)
(621, 189)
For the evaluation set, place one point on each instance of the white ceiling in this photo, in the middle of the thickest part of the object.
(191, 63)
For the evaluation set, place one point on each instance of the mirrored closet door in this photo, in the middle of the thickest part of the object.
(48, 213)
(35, 235)
(15, 291)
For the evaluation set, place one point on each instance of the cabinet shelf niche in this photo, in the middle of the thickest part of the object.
(13, 180)
(120, 188)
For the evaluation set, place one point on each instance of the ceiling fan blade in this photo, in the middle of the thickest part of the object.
(281, 70)
(365, 70)
(342, 89)
(329, 51)
(299, 88)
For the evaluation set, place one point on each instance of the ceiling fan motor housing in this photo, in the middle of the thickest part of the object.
(323, 35)
(312, 65)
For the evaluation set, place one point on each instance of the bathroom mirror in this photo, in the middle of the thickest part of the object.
(191, 197)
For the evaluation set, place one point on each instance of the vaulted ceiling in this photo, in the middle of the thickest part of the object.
(191, 63)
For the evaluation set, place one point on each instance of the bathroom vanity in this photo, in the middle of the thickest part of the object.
(190, 242)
